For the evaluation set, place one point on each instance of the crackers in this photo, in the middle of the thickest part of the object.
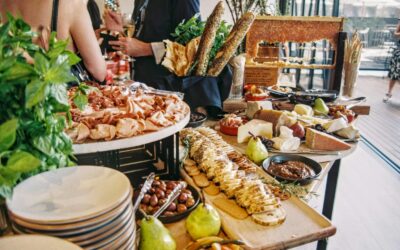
(201, 180)
(230, 207)
(212, 189)
(191, 170)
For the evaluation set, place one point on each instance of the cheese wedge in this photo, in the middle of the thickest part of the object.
(254, 106)
(349, 132)
(256, 127)
(335, 125)
(276, 117)
(321, 141)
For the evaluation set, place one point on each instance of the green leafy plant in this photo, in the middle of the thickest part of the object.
(194, 27)
(34, 104)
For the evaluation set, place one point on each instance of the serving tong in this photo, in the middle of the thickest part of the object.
(146, 186)
(149, 90)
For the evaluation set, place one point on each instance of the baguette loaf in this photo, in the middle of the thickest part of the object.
(233, 41)
(207, 39)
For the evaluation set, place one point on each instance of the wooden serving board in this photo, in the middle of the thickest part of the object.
(302, 225)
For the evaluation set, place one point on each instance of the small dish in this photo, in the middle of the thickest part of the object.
(196, 119)
(173, 218)
(281, 91)
(180, 216)
(228, 130)
(251, 97)
(315, 166)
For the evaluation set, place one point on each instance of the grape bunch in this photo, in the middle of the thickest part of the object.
(267, 142)
(319, 128)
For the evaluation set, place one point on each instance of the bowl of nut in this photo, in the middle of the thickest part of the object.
(157, 195)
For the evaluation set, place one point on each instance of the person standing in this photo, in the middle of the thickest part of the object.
(155, 21)
(70, 19)
(394, 66)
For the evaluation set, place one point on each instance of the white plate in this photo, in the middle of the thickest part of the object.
(75, 227)
(35, 242)
(68, 194)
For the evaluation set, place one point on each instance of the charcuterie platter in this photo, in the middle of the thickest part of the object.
(117, 117)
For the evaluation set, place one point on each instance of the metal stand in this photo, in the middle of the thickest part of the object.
(161, 157)
(329, 198)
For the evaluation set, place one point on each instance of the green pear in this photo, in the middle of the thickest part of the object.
(154, 236)
(203, 221)
(320, 108)
(256, 150)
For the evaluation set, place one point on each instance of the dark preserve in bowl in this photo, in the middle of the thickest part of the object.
(292, 168)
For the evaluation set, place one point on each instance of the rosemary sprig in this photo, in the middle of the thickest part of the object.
(292, 188)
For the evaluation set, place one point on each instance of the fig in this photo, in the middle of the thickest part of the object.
(160, 194)
(190, 202)
(172, 207)
(182, 198)
(153, 200)
(181, 208)
(146, 199)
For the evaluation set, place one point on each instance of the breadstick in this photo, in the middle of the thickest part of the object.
(207, 39)
(233, 41)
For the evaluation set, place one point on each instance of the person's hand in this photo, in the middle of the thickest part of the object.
(113, 21)
(132, 47)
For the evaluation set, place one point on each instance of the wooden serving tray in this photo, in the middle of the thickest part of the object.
(302, 225)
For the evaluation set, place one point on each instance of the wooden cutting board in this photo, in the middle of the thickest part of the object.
(302, 225)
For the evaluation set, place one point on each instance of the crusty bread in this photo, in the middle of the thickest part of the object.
(271, 218)
(321, 141)
(232, 42)
(207, 39)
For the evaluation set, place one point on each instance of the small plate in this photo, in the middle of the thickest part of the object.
(194, 124)
(35, 242)
(177, 217)
(278, 93)
(283, 158)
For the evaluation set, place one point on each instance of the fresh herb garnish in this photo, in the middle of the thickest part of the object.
(194, 27)
(34, 104)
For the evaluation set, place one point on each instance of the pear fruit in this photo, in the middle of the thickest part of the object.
(154, 236)
(256, 150)
(320, 108)
(203, 221)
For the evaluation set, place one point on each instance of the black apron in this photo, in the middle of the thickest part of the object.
(161, 19)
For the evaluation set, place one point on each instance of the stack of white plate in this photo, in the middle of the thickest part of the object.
(89, 206)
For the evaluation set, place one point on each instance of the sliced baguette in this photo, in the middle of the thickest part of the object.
(270, 218)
